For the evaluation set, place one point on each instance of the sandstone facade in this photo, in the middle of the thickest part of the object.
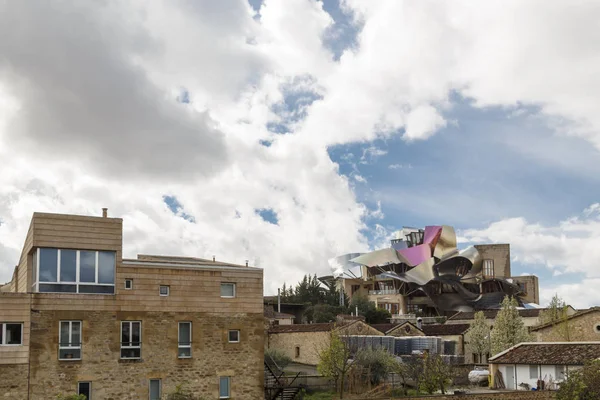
(34, 371)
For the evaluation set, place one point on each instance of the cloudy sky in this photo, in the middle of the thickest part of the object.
(285, 132)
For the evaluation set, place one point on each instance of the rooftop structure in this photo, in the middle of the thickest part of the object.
(424, 273)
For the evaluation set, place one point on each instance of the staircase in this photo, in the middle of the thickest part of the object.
(279, 387)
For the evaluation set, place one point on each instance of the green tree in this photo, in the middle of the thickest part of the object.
(509, 328)
(583, 384)
(436, 374)
(479, 336)
(557, 314)
(376, 363)
(334, 361)
(323, 313)
(367, 308)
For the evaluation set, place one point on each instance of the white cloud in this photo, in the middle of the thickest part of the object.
(88, 116)
(571, 246)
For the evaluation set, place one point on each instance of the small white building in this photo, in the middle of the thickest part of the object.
(526, 363)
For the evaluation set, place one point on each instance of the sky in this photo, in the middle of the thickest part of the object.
(288, 132)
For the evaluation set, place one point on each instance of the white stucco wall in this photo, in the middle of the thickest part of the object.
(522, 374)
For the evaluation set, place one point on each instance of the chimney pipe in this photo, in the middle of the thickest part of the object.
(246, 263)
(213, 258)
(278, 300)
(420, 323)
(104, 212)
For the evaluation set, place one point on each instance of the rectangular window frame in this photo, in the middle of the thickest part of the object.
(180, 344)
(77, 283)
(488, 268)
(533, 372)
(150, 387)
(70, 346)
(3, 329)
(229, 336)
(90, 388)
(160, 288)
(228, 394)
(234, 290)
(130, 346)
(130, 284)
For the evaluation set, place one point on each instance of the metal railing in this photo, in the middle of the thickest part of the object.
(384, 291)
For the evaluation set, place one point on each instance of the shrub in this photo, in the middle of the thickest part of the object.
(278, 357)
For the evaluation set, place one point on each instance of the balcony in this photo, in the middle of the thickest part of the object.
(384, 291)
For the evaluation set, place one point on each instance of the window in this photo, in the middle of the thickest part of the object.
(128, 284)
(488, 268)
(131, 339)
(227, 289)
(11, 333)
(74, 271)
(297, 354)
(85, 388)
(224, 387)
(163, 290)
(533, 372)
(184, 349)
(234, 336)
(69, 343)
(155, 389)
(559, 371)
(523, 286)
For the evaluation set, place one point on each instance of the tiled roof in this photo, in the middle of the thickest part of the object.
(549, 353)
(491, 314)
(442, 329)
(577, 314)
(384, 327)
(324, 327)
(428, 329)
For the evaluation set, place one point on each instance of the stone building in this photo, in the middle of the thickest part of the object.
(582, 326)
(303, 342)
(79, 318)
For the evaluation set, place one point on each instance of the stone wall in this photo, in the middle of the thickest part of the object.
(13, 381)
(500, 253)
(301, 347)
(583, 328)
(113, 378)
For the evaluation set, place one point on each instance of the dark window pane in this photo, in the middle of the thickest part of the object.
(68, 265)
(75, 333)
(57, 288)
(135, 333)
(64, 333)
(224, 387)
(96, 289)
(85, 388)
(87, 266)
(184, 333)
(154, 389)
(131, 353)
(48, 264)
(234, 336)
(69, 354)
(106, 267)
(13, 333)
(227, 290)
(185, 352)
(125, 333)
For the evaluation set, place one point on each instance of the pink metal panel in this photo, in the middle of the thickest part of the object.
(417, 254)
(431, 235)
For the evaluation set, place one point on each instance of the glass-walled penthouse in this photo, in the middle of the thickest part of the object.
(73, 271)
